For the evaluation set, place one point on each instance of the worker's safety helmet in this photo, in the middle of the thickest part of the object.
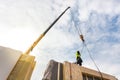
(78, 52)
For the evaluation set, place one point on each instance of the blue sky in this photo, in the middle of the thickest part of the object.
(22, 21)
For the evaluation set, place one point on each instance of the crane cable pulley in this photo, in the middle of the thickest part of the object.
(82, 38)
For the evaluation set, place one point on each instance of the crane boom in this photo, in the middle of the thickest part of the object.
(43, 34)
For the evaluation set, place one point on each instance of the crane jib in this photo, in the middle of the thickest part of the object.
(43, 34)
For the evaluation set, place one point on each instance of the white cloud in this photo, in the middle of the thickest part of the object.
(110, 7)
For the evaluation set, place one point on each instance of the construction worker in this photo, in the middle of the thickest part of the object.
(78, 58)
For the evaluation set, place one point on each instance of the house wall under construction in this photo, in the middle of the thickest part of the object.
(70, 71)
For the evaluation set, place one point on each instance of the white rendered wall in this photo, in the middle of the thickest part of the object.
(8, 59)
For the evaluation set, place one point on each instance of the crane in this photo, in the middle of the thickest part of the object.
(44, 33)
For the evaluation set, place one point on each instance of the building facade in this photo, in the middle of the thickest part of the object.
(70, 71)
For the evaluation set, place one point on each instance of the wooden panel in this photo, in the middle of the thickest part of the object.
(66, 71)
(72, 72)
(31, 70)
(76, 72)
(51, 71)
(23, 68)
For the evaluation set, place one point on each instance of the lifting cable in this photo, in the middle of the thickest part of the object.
(79, 31)
(93, 60)
(84, 44)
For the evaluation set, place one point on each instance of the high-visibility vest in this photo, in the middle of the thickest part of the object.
(77, 55)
